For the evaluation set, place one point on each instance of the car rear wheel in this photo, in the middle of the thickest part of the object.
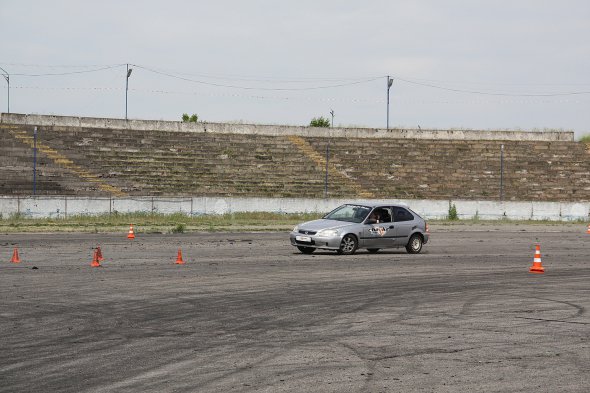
(306, 250)
(414, 246)
(372, 250)
(348, 245)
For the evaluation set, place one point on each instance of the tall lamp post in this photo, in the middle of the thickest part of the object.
(35, 161)
(7, 77)
(328, 159)
(502, 173)
(129, 70)
(389, 83)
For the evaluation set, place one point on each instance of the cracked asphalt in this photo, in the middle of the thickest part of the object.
(249, 313)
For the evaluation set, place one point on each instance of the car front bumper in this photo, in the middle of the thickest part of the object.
(301, 240)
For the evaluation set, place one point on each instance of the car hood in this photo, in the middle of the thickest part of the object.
(318, 225)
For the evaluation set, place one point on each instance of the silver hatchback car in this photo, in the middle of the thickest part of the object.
(364, 225)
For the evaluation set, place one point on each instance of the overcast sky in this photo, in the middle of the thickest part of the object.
(490, 64)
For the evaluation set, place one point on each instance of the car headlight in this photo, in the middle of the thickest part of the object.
(296, 228)
(328, 233)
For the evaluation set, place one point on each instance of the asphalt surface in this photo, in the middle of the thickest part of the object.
(249, 313)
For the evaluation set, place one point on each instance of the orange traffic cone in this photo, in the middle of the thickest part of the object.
(99, 254)
(131, 234)
(95, 262)
(588, 230)
(179, 260)
(537, 265)
(15, 258)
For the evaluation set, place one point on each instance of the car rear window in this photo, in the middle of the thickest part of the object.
(401, 214)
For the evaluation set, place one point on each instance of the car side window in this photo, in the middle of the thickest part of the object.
(401, 214)
(379, 215)
(385, 214)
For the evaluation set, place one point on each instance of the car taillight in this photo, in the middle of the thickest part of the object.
(427, 229)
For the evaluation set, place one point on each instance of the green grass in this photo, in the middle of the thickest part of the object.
(181, 223)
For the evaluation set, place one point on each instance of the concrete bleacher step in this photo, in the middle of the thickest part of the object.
(176, 163)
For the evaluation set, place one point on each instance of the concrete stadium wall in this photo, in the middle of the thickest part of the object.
(280, 130)
(62, 207)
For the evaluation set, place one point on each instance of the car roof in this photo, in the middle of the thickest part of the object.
(378, 203)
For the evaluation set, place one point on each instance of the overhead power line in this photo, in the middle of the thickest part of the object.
(569, 93)
(69, 72)
(263, 79)
(253, 87)
(399, 100)
(338, 82)
(59, 65)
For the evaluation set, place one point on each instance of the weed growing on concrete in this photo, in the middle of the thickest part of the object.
(179, 228)
(16, 216)
(453, 216)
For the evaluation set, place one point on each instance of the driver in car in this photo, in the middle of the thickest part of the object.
(374, 218)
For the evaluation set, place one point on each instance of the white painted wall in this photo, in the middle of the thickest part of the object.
(61, 207)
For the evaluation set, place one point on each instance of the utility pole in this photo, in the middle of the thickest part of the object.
(328, 158)
(327, 163)
(389, 83)
(501, 173)
(7, 77)
(129, 70)
(35, 161)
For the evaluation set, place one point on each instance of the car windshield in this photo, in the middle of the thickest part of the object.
(349, 213)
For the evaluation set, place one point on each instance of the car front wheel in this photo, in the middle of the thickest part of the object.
(414, 246)
(348, 245)
(306, 250)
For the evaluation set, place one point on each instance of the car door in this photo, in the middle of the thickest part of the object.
(404, 224)
(380, 234)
